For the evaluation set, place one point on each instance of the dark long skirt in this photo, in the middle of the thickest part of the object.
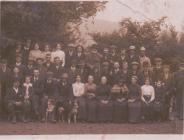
(82, 112)
(147, 109)
(120, 111)
(91, 109)
(104, 111)
(158, 111)
(134, 111)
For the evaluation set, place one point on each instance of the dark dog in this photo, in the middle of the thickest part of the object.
(61, 114)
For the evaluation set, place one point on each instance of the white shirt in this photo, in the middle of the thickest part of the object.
(148, 90)
(16, 90)
(78, 89)
(60, 54)
(27, 88)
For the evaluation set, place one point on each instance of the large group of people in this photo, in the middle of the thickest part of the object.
(114, 84)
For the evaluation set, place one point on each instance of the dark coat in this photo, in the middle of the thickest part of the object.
(29, 70)
(25, 56)
(69, 57)
(65, 91)
(13, 97)
(50, 89)
(38, 86)
(48, 66)
(57, 72)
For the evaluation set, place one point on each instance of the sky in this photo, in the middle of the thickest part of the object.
(142, 10)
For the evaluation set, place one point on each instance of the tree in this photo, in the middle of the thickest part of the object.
(44, 21)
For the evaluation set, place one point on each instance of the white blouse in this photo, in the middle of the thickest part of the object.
(78, 89)
(148, 90)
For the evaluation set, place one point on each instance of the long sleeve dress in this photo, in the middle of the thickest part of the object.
(134, 107)
(105, 105)
(91, 102)
(120, 109)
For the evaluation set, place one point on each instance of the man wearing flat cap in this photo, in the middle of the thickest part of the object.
(179, 90)
(19, 64)
(134, 71)
(50, 91)
(157, 69)
(105, 55)
(113, 55)
(65, 94)
(143, 58)
(93, 59)
(132, 56)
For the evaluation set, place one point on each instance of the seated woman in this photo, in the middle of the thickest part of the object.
(78, 92)
(134, 101)
(119, 94)
(158, 105)
(105, 106)
(91, 102)
(147, 97)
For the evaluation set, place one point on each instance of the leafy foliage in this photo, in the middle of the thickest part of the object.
(44, 21)
(159, 38)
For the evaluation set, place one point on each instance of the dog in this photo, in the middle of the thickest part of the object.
(61, 114)
(50, 109)
(73, 112)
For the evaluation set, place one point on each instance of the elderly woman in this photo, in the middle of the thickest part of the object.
(105, 106)
(119, 93)
(90, 93)
(78, 92)
(147, 97)
(35, 53)
(134, 101)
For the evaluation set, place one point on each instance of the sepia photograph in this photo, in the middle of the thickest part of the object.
(91, 67)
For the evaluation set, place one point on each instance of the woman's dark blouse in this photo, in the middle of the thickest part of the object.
(134, 92)
(103, 92)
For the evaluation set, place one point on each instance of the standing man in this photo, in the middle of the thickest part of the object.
(38, 86)
(157, 69)
(25, 51)
(179, 90)
(5, 73)
(70, 55)
(14, 100)
(93, 59)
(143, 58)
(132, 56)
